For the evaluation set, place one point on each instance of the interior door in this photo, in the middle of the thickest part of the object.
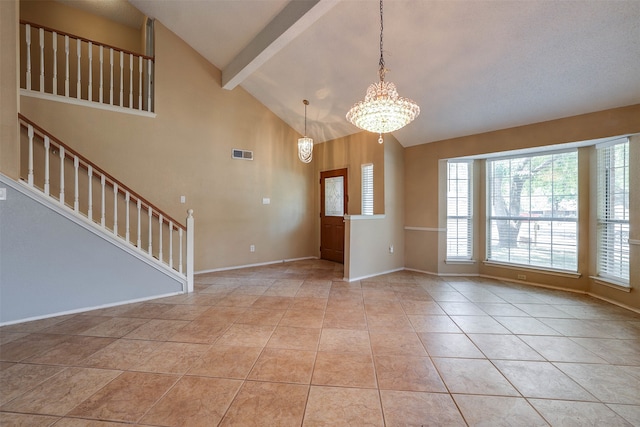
(333, 207)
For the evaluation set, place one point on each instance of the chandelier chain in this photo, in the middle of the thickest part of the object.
(383, 110)
(381, 71)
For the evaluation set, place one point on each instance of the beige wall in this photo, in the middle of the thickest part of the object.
(67, 19)
(368, 238)
(371, 241)
(80, 23)
(9, 100)
(186, 150)
(351, 152)
(423, 206)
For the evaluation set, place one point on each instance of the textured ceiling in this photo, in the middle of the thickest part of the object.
(472, 66)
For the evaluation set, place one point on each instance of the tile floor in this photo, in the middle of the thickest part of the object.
(293, 345)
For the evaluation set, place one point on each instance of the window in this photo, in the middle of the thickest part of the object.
(613, 210)
(459, 210)
(367, 189)
(533, 210)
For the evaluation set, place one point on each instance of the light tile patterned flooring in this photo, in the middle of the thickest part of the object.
(292, 344)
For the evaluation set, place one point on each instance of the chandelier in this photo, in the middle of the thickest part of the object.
(382, 110)
(305, 144)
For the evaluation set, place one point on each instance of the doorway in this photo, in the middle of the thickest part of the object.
(333, 207)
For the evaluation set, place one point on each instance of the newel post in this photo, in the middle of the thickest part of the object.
(190, 245)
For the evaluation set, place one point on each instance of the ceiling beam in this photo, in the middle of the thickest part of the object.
(296, 17)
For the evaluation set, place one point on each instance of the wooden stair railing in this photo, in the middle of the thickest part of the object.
(79, 70)
(106, 202)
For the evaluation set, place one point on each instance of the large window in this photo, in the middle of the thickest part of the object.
(533, 210)
(613, 210)
(459, 210)
(367, 189)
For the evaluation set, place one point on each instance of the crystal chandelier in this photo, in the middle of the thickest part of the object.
(382, 110)
(305, 144)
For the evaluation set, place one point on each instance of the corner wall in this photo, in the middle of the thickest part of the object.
(368, 238)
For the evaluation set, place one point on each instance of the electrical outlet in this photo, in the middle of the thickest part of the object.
(183, 199)
(390, 249)
(522, 277)
(3, 194)
(252, 248)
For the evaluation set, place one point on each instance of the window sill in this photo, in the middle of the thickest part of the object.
(611, 283)
(542, 270)
(440, 230)
(359, 217)
(460, 261)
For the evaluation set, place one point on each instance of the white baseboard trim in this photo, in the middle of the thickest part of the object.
(422, 271)
(355, 279)
(260, 264)
(635, 310)
(537, 285)
(85, 309)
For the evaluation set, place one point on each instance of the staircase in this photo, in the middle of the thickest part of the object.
(74, 238)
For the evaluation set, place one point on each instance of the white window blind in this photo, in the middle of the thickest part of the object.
(532, 206)
(459, 210)
(613, 210)
(367, 189)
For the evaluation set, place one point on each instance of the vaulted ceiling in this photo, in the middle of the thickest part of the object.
(471, 65)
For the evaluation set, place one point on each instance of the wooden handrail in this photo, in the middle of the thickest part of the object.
(123, 189)
(84, 39)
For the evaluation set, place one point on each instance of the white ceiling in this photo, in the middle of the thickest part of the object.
(471, 65)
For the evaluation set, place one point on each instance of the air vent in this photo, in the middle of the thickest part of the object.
(242, 154)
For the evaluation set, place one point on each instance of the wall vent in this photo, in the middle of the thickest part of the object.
(241, 154)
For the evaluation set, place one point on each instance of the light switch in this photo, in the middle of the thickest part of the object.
(266, 201)
(3, 194)
(183, 199)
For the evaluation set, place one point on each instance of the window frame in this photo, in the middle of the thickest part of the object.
(468, 217)
(615, 250)
(367, 200)
(533, 223)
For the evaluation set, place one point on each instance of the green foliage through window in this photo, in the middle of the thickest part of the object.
(533, 210)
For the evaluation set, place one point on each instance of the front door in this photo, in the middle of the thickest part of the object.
(333, 207)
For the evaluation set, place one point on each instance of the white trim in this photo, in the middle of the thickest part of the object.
(600, 297)
(439, 230)
(85, 103)
(85, 223)
(634, 242)
(459, 261)
(359, 217)
(421, 271)
(355, 279)
(534, 269)
(537, 285)
(567, 146)
(260, 264)
(615, 141)
(85, 309)
(611, 283)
